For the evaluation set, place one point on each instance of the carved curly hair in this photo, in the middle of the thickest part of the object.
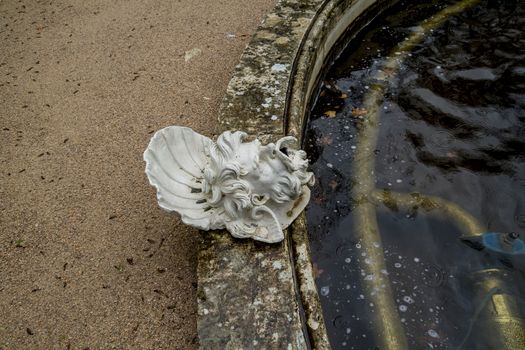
(224, 179)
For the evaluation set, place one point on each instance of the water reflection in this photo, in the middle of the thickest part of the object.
(452, 126)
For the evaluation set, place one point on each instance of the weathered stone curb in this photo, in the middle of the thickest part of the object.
(256, 96)
(251, 295)
(247, 296)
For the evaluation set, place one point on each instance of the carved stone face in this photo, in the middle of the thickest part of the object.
(247, 155)
(265, 168)
(252, 190)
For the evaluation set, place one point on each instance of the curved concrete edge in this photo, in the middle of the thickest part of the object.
(336, 20)
(339, 19)
(307, 289)
(253, 295)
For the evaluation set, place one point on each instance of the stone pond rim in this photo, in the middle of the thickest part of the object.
(252, 295)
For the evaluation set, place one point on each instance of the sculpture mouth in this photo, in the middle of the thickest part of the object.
(282, 150)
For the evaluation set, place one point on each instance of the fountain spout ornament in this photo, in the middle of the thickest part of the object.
(253, 191)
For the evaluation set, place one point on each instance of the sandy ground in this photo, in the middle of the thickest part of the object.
(87, 259)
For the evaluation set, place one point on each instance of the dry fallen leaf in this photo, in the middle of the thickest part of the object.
(357, 112)
(319, 199)
(343, 96)
(330, 114)
(316, 271)
(326, 140)
(389, 71)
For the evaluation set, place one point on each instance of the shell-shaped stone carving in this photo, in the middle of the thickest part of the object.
(175, 161)
(253, 191)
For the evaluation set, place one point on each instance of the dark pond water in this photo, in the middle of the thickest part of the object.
(451, 126)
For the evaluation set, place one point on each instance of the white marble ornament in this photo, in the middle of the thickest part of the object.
(253, 191)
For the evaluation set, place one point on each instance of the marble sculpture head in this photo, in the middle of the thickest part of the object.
(252, 190)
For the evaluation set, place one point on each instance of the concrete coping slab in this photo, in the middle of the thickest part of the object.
(254, 295)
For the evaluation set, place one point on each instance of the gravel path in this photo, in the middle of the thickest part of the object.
(87, 259)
